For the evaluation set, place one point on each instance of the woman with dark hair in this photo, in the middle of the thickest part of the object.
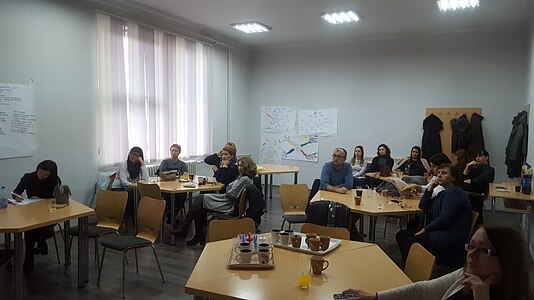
(413, 165)
(38, 184)
(222, 203)
(224, 165)
(462, 158)
(383, 158)
(448, 221)
(358, 164)
(479, 173)
(496, 269)
(131, 171)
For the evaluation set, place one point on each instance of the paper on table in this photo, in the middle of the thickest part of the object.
(25, 201)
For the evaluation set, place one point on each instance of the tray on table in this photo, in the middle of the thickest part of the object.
(254, 261)
(334, 243)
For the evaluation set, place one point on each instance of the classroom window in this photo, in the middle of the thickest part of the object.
(152, 92)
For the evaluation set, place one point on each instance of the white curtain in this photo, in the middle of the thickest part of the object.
(153, 92)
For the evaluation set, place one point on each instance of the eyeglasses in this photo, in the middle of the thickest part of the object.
(337, 156)
(480, 250)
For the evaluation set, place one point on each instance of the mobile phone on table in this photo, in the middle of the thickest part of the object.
(345, 296)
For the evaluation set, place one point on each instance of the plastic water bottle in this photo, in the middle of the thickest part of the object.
(3, 197)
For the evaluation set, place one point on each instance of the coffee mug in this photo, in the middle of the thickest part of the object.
(264, 246)
(290, 231)
(264, 256)
(384, 193)
(359, 193)
(317, 264)
(308, 236)
(284, 238)
(191, 177)
(315, 244)
(275, 235)
(244, 256)
(325, 242)
(296, 240)
(357, 200)
(242, 246)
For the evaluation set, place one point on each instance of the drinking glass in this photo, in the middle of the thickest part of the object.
(304, 273)
(52, 204)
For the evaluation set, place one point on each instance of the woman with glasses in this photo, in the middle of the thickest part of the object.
(448, 221)
(131, 171)
(496, 268)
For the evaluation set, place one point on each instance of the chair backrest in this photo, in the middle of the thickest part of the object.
(294, 198)
(226, 229)
(474, 218)
(419, 264)
(110, 207)
(111, 179)
(149, 217)
(151, 190)
(334, 232)
(242, 204)
(315, 188)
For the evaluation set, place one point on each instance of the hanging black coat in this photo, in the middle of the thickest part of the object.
(516, 149)
(476, 143)
(431, 143)
(460, 134)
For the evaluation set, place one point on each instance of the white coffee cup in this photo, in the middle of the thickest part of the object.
(242, 246)
(264, 246)
(284, 238)
(264, 256)
(244, 256)
(275, 235)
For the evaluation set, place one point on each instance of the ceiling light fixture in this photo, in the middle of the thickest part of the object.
(251, 27)
(339, 17)
(445, 5)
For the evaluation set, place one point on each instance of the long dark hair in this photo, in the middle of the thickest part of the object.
(388, 151)
(513, 258)
(134, 169)
(48, 165)
(418, 149)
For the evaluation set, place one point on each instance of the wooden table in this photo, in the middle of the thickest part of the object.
(370, 206)
(268, 170)
(174, 187)
(19, 218)
(352, 265)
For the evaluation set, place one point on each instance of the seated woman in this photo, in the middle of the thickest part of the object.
(131, 171)
(414, 165)
(448, 221)
(462, 158)
(480, 174)
(224, 165)
(382, 158)
(171, 164)
(359, 164)
(223, 203)
(496, 268)
(38, 184)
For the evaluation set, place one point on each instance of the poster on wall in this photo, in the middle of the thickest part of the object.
(322, 122)
(17, 121)
(278, 119)
(275, 147)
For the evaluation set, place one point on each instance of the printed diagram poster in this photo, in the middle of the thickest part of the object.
(322, 122)
(275, 147)
(17, 121)
(278, 119)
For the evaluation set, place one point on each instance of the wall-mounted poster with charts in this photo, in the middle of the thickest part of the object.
(17, 121)
(322, 122)
(275, 147)
(278, 119)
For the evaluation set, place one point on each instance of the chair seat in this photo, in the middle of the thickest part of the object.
(296, 218)
(123, 242)
(92, 231)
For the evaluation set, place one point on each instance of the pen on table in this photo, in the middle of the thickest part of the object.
(17, 197)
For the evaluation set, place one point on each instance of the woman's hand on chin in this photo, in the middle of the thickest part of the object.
(479, 287)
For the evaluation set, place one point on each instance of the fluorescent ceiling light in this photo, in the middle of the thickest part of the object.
(251, 27)
(445, 5)
(339, 17)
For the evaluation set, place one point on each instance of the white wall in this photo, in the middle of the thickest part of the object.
(382, 88)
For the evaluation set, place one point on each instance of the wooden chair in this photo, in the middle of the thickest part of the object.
(226, 229)
(151, 190)
(474, 218)
(149, 217)
(240, 206)
(109, 210)
(334, 232)
(294, 200)
(110, 181)
(419, 264)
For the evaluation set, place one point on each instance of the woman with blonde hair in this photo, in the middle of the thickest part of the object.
(358, 164)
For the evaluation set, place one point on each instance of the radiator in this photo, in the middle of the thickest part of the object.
(191, 167)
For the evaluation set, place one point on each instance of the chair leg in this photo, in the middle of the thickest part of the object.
(123, 271)
(136, 263)
(289, 223)
(157, 261)
(57, 250)
(100, 266)
(96, 250)
(61, 232)
(283, 222)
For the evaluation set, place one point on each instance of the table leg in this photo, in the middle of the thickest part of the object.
(67, 238)
(19, 284)
(7, 241)
(372, 227)
(492, 210)
(296, 178)
(266, 187)
(136, 206)
(361, 224)
(271, 186)
(173, 221)
(83, 252)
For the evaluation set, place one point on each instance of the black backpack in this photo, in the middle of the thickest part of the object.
(332, 214)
